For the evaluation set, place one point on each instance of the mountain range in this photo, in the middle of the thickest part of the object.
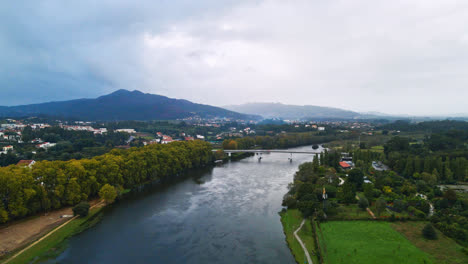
(293, 112)
(124, 105)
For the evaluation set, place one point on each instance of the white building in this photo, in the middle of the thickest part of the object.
(126, 130)
(46, 145)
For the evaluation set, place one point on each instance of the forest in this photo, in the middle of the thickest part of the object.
(50, 185)
(283, 140)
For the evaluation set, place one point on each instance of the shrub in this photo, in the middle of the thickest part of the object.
(363, 203)
(419, 214)
(81, 209)
(429, 232)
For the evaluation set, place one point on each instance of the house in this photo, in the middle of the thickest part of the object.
(26, 163)
(200, 137)
(46, 145)
(189, 138)
(345, 165)
(7, 148)
(166, 139)
(159, 134)
(126, 130)
(321, 128)
(379, 166)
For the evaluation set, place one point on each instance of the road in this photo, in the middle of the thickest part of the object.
(309, 260)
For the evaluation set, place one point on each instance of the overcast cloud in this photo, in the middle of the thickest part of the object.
(399, 57)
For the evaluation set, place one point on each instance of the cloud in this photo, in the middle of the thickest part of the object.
(390, 56)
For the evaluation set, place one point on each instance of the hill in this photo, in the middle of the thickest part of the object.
(278, 110)
(123, 105)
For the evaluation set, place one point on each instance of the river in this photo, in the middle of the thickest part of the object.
(225, 214)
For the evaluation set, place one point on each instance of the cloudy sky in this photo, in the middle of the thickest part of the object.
(399, 57)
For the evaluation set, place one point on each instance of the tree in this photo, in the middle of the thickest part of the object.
(380, 205)
(363, 202)
(315, 163)
(349, 194)
(108, 193)
(450, 195)
(369, 191)
(429, 232)
(81, 209)
(356, 177)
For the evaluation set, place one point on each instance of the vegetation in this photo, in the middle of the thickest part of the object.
(444, 249)
(81, 209)
(108, 193)
(429, 232)
(291, 220)
(55, 243)
(367, 242)
(281, 141)
(53, 184)
(69, 145)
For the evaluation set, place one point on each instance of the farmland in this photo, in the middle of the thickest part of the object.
(367, 242)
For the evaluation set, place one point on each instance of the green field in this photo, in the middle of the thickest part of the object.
(367, 242)
(443, 249)
(54, 244)
(291, 220)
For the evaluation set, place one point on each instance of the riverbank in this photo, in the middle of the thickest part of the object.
(291, 220)
(53, 243)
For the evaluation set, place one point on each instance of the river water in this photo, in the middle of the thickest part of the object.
(225, 214)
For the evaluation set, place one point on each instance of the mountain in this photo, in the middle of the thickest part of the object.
(293, 112)
(123, 105)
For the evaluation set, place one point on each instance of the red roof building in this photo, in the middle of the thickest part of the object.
(344, 165)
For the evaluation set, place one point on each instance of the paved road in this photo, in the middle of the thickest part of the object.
(309, 260)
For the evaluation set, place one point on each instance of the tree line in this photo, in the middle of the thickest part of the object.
(54, 184)
(281, 141)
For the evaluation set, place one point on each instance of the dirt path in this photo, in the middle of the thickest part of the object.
(309, 260)
(18, 234)
(50, 233)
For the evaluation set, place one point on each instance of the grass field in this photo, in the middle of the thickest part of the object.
(291, 220)
(444, 249)
(367, 242)
(378, 149)
(54, 244)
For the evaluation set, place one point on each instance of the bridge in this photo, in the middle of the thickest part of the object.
(267, 151)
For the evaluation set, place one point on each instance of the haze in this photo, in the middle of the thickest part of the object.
(397, 57)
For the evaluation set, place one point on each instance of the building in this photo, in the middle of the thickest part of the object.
(126, 130)
(345, 165)
(166, 139)
(189, 138)
(321, 128)
(7, 148)
(46, 145)
(200, 137)
(26, 163)
(379, 166)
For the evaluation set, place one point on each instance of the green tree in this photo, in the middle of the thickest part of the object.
(380, 205)
(369, 191)
(363, 203)
(81, 209)
(356, 177)
(348, 193)
(108, 193)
